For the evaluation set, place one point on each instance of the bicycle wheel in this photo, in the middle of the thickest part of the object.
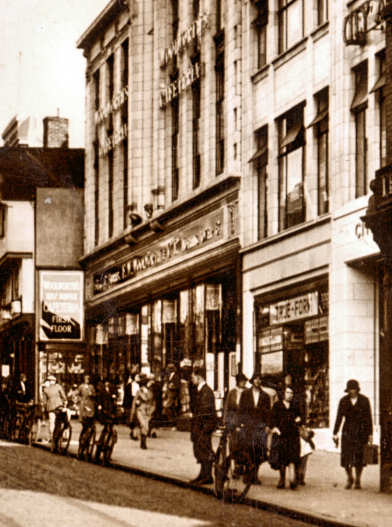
(109, 446)
(32, 434)
(220, 469)
(91, 444)
(64, 439)
(237, 481)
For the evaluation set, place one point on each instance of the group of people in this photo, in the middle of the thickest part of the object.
(270, 425)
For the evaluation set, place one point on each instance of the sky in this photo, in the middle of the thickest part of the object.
(41, 70)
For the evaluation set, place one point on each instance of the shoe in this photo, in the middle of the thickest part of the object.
(206, 480)
(154, 435)
(293, 485)
(281, 484)
(357, 485)
(349, 484)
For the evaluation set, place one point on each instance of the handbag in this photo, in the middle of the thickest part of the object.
(370, 454)
(274, 454)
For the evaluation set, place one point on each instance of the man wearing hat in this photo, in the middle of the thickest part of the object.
(202, 426)
(54, 397)
(357, 431)
(254, 416)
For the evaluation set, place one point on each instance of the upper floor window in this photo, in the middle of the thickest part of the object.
(3, 210)
(291, 23)
(175, 140)
(260, 28)
(322, 11)
(291, 139)
(260, 161)
(196, 93)
(175, 18)
(96, 80)
(125, 63)
(219, 111)
(379, 90)
(196, 8)
(219, 15)
(320, 127)
(359, 107)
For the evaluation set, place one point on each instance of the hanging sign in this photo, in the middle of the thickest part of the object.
(361, 20)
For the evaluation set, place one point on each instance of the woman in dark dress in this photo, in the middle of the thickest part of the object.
(357, 431)
(285, 420)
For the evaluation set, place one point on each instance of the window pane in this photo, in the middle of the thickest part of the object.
(294, 188)
(262, 201)
(360, 154)
(294, 23)
(383, 131)
(322, 153)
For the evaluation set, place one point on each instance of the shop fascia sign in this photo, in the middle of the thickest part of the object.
(294, 308)
(361, 20)
(185, 39)
(111, 106)
(167, 250)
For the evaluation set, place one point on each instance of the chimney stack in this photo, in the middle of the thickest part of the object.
(55, 132)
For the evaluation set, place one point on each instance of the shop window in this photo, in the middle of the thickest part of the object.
(260, 30)
(358, 108)
(320, 127)
(291, 168)
(291, 23)
(379, 91)
(322, 11)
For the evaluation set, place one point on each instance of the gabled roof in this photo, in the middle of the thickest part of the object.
(23, 169)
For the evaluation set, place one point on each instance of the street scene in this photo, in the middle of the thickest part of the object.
(196, 262)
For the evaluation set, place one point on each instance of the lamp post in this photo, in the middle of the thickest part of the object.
(378, 219)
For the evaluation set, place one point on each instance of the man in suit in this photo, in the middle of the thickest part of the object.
(254, 416)
(21, 389)
(203, 424)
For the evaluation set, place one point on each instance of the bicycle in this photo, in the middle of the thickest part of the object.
(25, 425)
(232, 466)
(87, 440)
(107, 440)
(62, 431)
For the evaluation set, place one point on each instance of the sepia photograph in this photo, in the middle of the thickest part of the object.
(196, 263)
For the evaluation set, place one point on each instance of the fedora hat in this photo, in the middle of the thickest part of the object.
(352, 384)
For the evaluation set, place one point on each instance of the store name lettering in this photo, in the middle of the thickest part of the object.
(294, 308)
(174, 89)
(362, 20)
(111, 141)
(164, 253)
(111, 106)
(187, 37)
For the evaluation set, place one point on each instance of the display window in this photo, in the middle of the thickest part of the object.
(292, 339)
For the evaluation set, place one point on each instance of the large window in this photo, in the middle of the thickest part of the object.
(96, 83)
(219, 109)
(124, 123)
(196, 92)
(260, 27)
(291, 168)
(320, 126)
(174, 144)
(260, 161)
(291, 23)
(379, 90)
(358, 107)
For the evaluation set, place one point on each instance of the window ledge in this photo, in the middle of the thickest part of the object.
(291, 231)
(320, 31)
(289, 53)
(260, 74)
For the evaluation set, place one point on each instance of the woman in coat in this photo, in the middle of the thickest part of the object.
(357, 431)
(285, 420)
(143, 408)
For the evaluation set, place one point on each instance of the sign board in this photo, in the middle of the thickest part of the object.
(296, 308)
(61, 306)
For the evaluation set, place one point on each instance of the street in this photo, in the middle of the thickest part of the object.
(39, 488)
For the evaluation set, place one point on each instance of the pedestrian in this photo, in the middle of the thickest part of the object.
(232, 402)
(127, 405)
(254, 416)
(170, 393)
(21, 390)
(143, 408)
(357, 431)
(54, 397)
(285, 422)
(202, 425)
(87, 396)
(306, 448)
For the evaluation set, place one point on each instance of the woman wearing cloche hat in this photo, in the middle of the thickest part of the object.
(357, 431)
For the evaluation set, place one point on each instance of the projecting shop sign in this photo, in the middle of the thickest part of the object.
(61, 305)
(294, 308)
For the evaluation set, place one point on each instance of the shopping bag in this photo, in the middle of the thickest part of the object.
(370, 454)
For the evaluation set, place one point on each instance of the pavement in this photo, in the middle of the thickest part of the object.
(323, 501)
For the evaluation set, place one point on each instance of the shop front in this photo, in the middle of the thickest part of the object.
(292, 339)
(171, 297)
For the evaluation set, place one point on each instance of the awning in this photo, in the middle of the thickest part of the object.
(292, 135)
(319, 117)
(260, 153)
(379, 84)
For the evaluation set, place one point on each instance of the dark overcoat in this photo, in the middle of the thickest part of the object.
(203, 423)
(289, 443)
(254, 420)
(356, 430)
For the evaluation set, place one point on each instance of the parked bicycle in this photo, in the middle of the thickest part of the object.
(106, 441)
(25, 422)
(232, 466)
(87, 440)
(62, 432)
